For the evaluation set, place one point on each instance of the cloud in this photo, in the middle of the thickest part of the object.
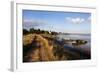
(76, 20)
(33, 23)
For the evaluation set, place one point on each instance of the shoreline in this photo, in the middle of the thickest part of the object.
(58, 51)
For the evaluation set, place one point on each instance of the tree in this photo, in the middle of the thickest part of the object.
(25, 31)
(32, 30)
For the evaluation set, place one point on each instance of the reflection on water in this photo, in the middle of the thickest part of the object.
(84, 37)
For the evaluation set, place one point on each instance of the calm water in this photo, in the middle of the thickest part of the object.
(87, 38)
(83, 37)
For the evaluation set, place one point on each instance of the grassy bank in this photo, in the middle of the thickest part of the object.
(45, 47)
(40, 47)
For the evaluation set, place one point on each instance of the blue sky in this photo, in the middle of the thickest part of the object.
(67, 22)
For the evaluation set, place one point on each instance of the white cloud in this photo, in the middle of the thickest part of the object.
(31, 22)
(76, 20)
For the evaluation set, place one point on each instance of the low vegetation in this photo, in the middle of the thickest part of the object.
(40, 45)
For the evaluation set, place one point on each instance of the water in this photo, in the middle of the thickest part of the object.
(71, 36)
(86, 37)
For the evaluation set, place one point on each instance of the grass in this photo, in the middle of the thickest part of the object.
(37, 48)
(45, 47)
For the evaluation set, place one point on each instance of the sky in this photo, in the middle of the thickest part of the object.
(66, 22)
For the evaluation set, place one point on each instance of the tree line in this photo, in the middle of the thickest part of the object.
(38, 31)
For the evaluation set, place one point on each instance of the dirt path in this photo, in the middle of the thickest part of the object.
(42, 52)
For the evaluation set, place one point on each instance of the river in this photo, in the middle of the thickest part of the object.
(87, 37)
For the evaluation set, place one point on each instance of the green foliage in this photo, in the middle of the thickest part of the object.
(38, 31)
(32, 30)
(25, 31)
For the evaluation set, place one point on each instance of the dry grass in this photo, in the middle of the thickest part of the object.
(27, 39)
(42, 53)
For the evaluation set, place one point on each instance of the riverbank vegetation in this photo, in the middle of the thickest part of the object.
(42, 45)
